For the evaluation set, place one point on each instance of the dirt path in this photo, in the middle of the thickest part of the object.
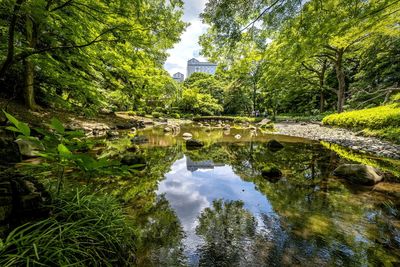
(341, 137)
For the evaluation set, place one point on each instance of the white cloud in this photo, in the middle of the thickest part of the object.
(188, 47)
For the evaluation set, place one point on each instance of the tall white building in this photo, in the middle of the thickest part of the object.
(179, 77)
(194, 65)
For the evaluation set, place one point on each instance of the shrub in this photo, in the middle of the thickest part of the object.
(84, 230)
(383, 121)
(175, 115)
(156, 114)
(141, 112)
(373, 118)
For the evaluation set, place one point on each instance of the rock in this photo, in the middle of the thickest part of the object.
(29, 147)
(111, 133)
(187, 135)
(9, 151)
(274, 145)
(303, 124)
(227, 127)
(125, 125)
(134, 159)
(238, 136)
(359, 174)
(133, 149)
(264, 121)
(22, 198)
(167, 129)
(253, 128)
(207, 124)
(193, 143)
(271, 172)
(139, 139)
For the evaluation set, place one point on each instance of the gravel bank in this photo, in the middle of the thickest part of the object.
(341, 137)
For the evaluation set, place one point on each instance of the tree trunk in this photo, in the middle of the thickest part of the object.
(321, 102)
(341, 79)
(321, 86)
(10, 42)
(29, 88)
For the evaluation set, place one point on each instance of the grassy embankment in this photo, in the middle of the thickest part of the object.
(382, 122)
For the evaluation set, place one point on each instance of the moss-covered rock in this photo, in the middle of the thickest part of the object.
(271, 172)
(358, 174)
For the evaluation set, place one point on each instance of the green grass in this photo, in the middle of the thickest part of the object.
(83, 230)
(383, 121)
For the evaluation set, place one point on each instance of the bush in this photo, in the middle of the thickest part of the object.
(141, 113)
(373, 118)
(175, 115)
(383, 121)
(156, 114)
(84, 230)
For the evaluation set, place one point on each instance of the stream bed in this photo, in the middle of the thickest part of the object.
(212, 207)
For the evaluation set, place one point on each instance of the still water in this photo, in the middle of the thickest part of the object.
(212, 207)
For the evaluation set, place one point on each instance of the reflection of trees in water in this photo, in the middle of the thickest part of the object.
(320, 221)
(160, 237)
(230, 235)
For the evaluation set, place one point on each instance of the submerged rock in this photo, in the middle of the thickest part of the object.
(271, 172)
(134, 159)
(238, 136)
(274, 145)
(167, 129)
(359, 174)
(193, 143)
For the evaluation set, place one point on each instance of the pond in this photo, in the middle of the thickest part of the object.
(212, 207)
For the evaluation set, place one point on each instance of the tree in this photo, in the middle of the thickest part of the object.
(85, 45)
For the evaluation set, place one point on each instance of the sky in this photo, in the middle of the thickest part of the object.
(189, 46)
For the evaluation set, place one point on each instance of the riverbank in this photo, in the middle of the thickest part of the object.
(340, 137)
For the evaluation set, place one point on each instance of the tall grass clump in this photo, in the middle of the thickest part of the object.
(84, 230)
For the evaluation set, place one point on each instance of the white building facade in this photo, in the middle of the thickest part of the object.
(194, 65)
(179, 77)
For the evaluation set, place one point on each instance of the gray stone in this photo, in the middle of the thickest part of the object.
(359, 174)
(187, 135)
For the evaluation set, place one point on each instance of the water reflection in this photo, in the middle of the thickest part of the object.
(212, 207)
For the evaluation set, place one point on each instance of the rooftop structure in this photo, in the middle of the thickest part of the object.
(179, 77)
(194, 65)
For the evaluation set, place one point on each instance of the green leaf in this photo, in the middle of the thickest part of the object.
(64, 151)
(57, 125)
(24, 128)
(11, 118)
(12, 128)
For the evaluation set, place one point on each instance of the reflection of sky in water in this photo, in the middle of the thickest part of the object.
(190, 192)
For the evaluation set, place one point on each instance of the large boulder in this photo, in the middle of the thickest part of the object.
(271, 172)
(22, 198)
(359, 174)
(274, 145)
(9, 151)
(193, 144)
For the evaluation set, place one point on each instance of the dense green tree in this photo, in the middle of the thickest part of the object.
(82, 50)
